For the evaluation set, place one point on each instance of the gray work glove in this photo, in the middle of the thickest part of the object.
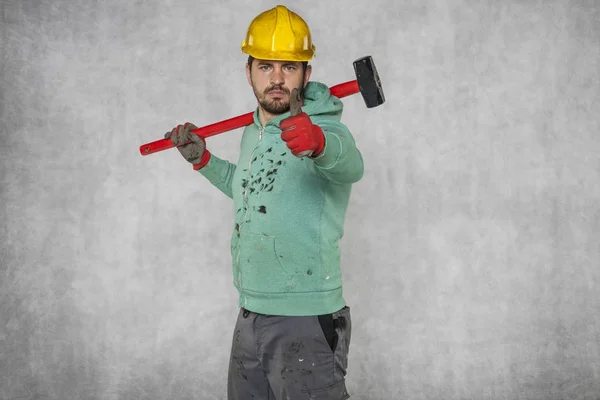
(193, 151)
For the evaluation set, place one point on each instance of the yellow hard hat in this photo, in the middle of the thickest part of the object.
(279, 34)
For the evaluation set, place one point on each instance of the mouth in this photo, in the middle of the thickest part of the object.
(277, 93)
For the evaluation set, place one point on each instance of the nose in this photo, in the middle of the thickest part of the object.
(277, 76)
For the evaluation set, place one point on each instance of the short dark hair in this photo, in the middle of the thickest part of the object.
(250, 59)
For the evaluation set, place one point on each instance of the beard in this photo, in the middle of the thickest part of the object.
(274, 106)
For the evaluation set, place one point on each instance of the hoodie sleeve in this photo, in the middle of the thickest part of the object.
(219, 172)
(340, 161)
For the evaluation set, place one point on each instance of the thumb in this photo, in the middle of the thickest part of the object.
(295, 102)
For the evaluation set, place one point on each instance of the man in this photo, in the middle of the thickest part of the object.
(290, 190)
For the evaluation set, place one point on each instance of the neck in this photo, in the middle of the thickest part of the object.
(264, 116)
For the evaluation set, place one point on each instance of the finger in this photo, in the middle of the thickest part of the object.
(289, 123)
(302, 153)
(185, 133)
(295, 102)
(181, 135)
(173, 136)
(292, 144)
(286, 136)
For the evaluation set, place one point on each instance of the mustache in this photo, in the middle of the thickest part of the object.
(278, 88)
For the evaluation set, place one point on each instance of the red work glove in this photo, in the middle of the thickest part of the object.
(300, 135)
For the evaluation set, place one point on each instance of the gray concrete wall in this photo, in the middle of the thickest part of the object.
(471, 257)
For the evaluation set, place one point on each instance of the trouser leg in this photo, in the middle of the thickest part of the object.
(305, 357)
(246, 377)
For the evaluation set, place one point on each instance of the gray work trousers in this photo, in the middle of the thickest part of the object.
(289, 358)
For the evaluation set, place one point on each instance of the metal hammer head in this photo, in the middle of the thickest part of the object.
(368, 81)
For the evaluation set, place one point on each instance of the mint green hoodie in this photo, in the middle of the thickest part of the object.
(289, 212)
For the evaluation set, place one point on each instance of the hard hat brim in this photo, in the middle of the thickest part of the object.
(306, 55)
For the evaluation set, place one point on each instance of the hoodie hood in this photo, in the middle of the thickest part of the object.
(319, 104)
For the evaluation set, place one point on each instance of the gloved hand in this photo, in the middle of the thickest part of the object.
(301, 136)
(194, 152)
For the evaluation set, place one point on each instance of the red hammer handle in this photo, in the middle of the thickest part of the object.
(205, 131)
(341, 90)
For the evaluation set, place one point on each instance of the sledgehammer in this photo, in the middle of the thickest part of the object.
(367, 82)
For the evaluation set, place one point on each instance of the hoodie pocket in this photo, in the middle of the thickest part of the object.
(259, 264)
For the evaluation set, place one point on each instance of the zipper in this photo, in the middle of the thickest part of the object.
(260, 133)
(250, 170)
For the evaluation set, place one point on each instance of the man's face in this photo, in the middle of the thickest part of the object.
(273, 81)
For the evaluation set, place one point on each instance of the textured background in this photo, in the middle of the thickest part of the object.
(471, 257)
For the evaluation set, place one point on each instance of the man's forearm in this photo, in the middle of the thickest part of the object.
(219, 172)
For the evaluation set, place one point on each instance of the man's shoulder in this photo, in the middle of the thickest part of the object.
(321, 105)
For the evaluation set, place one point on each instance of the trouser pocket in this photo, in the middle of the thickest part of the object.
(333, 323)
(328, 327)
(343, 327)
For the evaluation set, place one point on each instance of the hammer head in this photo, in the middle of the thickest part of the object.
(368, 81)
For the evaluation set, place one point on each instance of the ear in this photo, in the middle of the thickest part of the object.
(248, 76)
(307, 74)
